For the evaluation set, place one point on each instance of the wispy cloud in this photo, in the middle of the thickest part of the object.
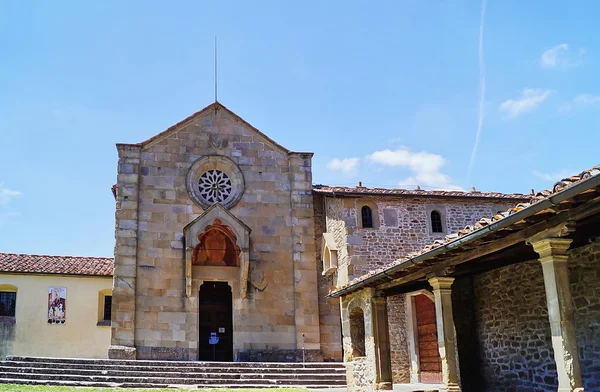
(347, 165)
(561, 57)
(6, 195)
(530, 99)
(553, 176)
(582, 101)
(481, 90)
(425, 167)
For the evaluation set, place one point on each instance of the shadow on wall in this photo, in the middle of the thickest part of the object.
(7, 336)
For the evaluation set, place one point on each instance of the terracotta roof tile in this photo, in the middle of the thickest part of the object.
(68, 265)
(541, 195)
(361, 190)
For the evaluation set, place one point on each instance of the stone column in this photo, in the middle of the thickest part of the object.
(383, 366)
(442, 293)
(124, 280)
(553, 257)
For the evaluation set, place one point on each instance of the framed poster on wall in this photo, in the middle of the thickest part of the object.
(57, 305)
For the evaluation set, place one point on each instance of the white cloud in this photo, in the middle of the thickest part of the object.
(561, 57)
(425, 167)
(6, 195)
(347, 165)
(581, 100)
(530, 99)
(587, 100)
(554, 176)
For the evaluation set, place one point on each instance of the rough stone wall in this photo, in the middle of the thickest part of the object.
(329, 309)
(396, 311)
(276, 205)
(513, 329)
(584, 276)
(406, 228)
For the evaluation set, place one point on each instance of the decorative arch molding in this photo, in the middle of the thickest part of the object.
(217, 226)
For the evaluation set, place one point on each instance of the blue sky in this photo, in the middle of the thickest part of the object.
(388, 93)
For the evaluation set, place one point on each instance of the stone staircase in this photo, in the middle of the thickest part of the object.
(162, 374)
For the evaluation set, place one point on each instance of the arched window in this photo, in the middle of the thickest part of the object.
(367, 217)
(436, 222)
(357, 332)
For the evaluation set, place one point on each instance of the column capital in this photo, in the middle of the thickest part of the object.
(552, 249)
(378, 300)
(441, 282)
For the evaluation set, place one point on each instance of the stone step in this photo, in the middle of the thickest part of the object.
(168, 381)
(113, 385)
(162, 369)
(160, 374)
(178, 363)
(166, 374)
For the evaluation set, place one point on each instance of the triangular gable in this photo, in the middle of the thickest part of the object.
(213, 106)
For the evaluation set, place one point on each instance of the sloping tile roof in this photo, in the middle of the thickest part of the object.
(361, 190)
(482, 223)
(66, 265)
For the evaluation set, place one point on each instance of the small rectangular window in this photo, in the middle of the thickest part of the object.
(107, 307)
(8, 301)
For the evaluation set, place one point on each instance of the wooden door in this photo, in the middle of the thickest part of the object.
(215, 316)
(430, 364)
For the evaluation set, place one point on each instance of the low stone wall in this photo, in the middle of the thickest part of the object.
(358, 375)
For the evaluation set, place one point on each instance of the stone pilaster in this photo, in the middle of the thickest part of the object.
(553, 257)
(126, 227)
(442, 293)
(383, 368)
(304, 255)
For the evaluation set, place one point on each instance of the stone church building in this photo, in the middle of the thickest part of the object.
(225, 250)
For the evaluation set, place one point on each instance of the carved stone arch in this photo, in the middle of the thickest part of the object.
(232, 238)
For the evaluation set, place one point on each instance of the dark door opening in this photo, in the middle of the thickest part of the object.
(215, 322)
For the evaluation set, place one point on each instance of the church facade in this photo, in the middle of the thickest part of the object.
(215, 250)
(223, 248)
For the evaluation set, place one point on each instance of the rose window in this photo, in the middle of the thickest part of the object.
(214, 186)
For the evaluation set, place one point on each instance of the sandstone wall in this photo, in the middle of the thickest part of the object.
(277, 205)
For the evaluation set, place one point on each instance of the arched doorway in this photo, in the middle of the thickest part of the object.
(215, 322)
